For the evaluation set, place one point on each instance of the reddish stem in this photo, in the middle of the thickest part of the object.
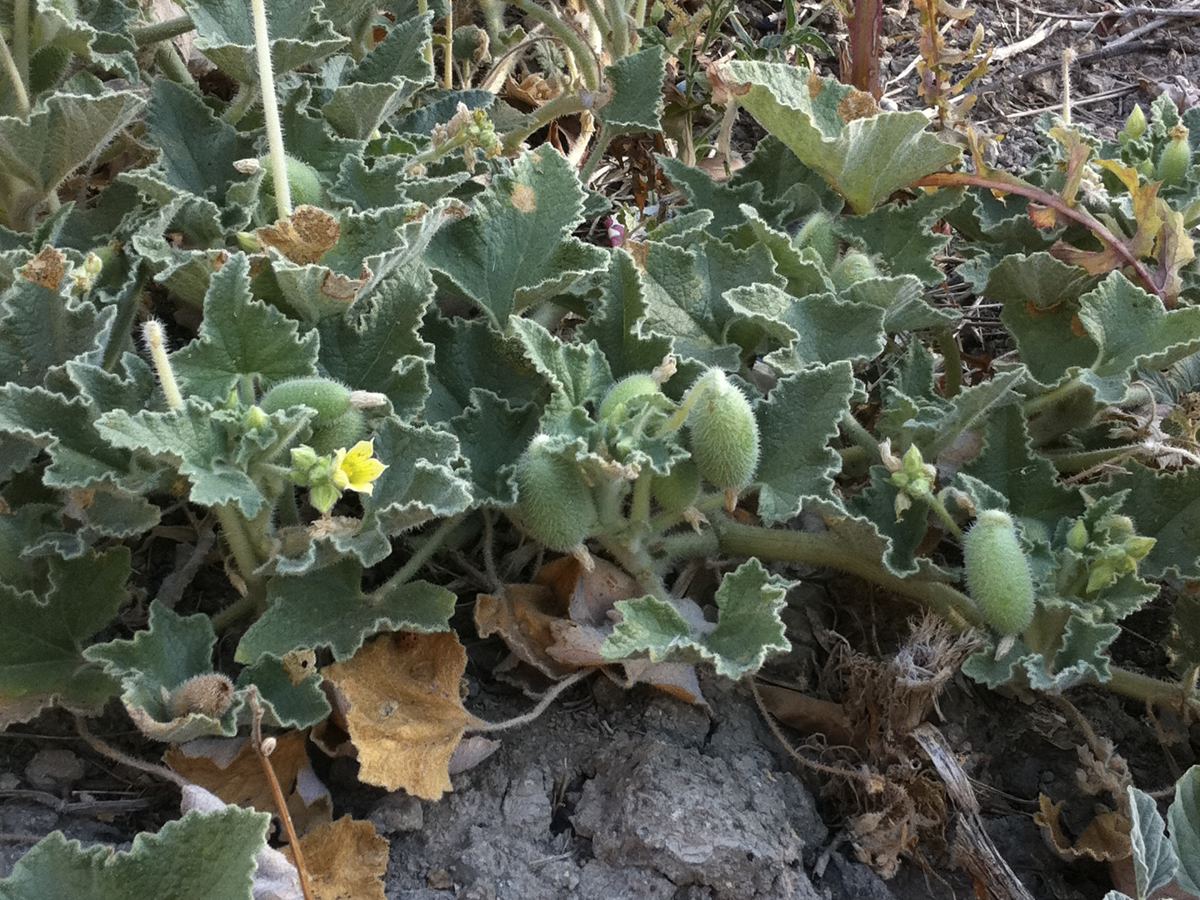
(1045, 198)
(865, 25)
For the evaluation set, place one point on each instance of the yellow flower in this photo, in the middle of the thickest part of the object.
(355, 469)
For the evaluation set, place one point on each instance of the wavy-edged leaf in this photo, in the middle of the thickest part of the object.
(636, 82)
(863, 154)
(1184, 819)
(493, 434)
(328, 608)
(577, 373)
(902, 235)
(241, 339)
(42, 639)
(291, 692)
(1165, 507)
(41, 329)
(748, 628)
(1154, 859)
(616, 322)
(515, 249)
(797, 421)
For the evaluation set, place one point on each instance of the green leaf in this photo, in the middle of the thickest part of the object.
(207, 446)
(1184, 818)
(41, 329)
(241, 338)
(470, 355)
(903, 304)
(328, 608)
(42, 639)
(1154, 859)
(865, 160)
(154, 663)
(905, 532)
(797, 421)
(64, 132)
(802, 269)
(578, 373)
(198, 148)
(616, 323)
(636, 82)
(515, 250)
(493, 434)
(939, 424)
(723, 201)
(902, 235)
(747, 631)
(1029, 482)
(1165, 507)
(818, 328)
(685, 296)
(398, 57)
(286, 703)
(225, 34)
(1132, 330)
(357, 110)
(200, 855)
(377, 345)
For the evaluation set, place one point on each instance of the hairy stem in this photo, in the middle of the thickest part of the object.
(562, 105)
(618, 22)
(156, 343)
(422, 9)
(421, 555)
(20, 40)
(144, 35)
(246, 96)
(952, 362)
(13, 76)
(172, 66)
(448, 57)
(603, 139)
(266, 79)
(572, 40)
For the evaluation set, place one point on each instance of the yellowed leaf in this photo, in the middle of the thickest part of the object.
(229, 768)
(403, 709)
(346, 860)
(522, 614)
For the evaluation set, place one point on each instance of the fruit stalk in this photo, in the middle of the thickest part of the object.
(266, 78)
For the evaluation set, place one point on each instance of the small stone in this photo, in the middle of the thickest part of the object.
(396, 813)
(9, 781)
(54, 768)
(439, 880)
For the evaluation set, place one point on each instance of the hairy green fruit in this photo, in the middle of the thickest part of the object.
(302, 179)
(852, 268)
(1135, 125)
(1176, 158)
(678, 490)
(724, 433)
(817, 233)
(554, 504)
(328, 398)
(338, 424)
(998, 575)
(639, 384)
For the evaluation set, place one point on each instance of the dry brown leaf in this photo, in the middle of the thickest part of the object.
(304, 238)
(346, 860)
(229, 768)
(589, 596)
(47, 269)
(404, 711)
(1105, 839)
(522, 615)
(532, 91)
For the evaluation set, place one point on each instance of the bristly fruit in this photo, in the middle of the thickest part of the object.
(210, 694)
(677, 490)
(1135, 125)
(1176, 158)
(554, 504)
(998, 575)
(303, 181)
(639, 384)
(724, 433)
(338, 424)
(852, 268)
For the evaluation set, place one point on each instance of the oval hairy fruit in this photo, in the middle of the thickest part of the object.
(554, 504)
(678, 490)
(639, 384)
(210, 694)
(998, 575)
(302, 179)
(1135, 125)
(724, 433)
(344, 431)
(328, 398)
(1176, 158)
(852, 268)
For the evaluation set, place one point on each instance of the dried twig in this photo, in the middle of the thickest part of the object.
(263, 751)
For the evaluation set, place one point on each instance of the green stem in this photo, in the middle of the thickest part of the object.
(1150, 690)
(639, 507)
(639, 14)
(266, 79)
(686, 545)
(618, 22)
(1072, 462)
(595, 9)
(289, 511)
(574, 42)
(638, 564)
(13, 75)
(1061, 394)
(420, 556)
(943, 514)
(20, 40)
(422, 9)
(562, 105)
(233, 529)
(172, 66)
(144, 35)
(246, 96)
(827, 550)
(952, 362)
(599, 148)
(156, 342)
(448, 55)
(239, 609)
(127, 309)
(860, 436)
